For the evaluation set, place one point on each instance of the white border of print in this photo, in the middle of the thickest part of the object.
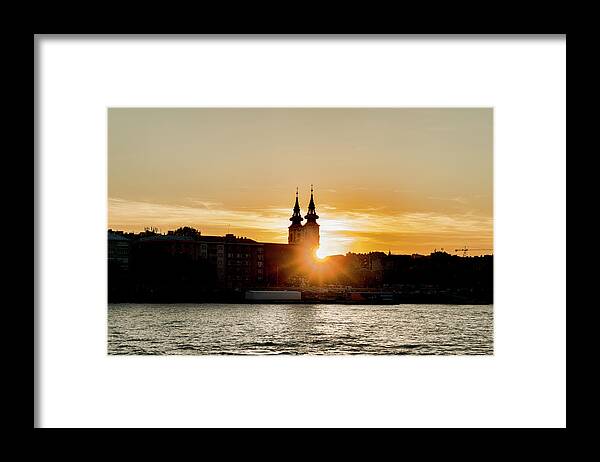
(523, 384)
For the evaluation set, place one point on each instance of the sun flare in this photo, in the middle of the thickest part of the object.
(321, 253)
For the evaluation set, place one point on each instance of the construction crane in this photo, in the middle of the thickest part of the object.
(465, 250)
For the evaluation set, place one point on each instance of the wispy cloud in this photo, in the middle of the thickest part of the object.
(458, 200)
(137, 214)
(206, 204)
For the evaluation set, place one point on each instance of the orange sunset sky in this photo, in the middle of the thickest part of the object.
(399, 180)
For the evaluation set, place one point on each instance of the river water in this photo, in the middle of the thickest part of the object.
(247, 329)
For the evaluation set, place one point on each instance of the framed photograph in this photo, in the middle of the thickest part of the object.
(300, 232)
(210, 251)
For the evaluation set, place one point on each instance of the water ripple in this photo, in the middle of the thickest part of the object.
(214, 329)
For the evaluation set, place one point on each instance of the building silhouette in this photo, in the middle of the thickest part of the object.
(306, 235)
(183, 265)
(119, 247)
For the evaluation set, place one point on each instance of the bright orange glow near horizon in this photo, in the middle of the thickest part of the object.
(399, 180)
(322, 252)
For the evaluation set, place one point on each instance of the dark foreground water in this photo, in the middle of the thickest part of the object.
(216, 329)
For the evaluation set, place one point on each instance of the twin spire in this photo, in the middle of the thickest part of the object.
(312, 211)
(311, 216)
(296, 217)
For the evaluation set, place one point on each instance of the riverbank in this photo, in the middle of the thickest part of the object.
(355, 297)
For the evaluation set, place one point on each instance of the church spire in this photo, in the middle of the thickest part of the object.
(312, 212)
(296, 217)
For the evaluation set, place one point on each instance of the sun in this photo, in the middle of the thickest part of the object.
(321, 253)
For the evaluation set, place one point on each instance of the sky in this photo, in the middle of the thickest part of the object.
(400, 180)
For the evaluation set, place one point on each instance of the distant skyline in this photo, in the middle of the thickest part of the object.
(403, 180)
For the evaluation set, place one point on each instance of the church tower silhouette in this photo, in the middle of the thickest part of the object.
(295, 229)
(311, 227)
(308, 234)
